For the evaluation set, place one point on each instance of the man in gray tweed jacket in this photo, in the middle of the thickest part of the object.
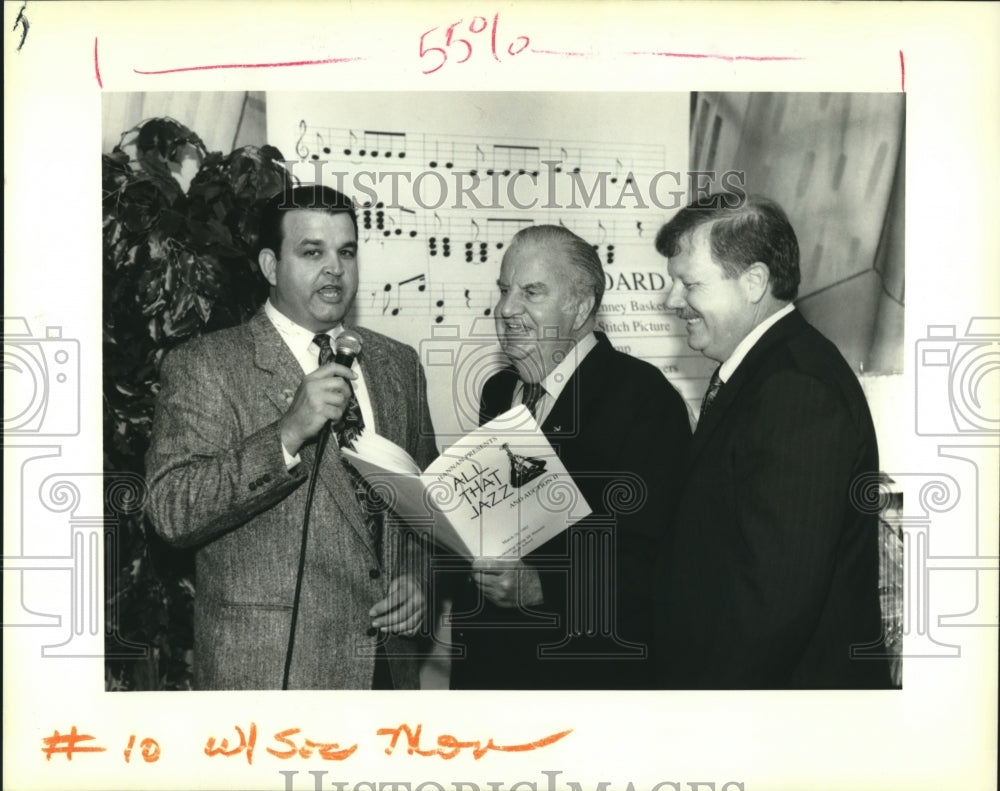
(233, 444)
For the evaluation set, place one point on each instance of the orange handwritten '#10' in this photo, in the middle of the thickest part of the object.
(71, 743)
(453, 38)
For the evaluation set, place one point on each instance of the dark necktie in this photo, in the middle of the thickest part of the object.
(351, 423)
(714, 386)
(348, 428)
(531, 395)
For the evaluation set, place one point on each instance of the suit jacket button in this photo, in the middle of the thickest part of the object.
(374, 573)
(372, 631)
(253, 485)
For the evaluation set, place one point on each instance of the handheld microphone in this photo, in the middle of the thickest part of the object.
(346, 347)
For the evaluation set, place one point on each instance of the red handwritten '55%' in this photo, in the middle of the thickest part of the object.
(477, 25)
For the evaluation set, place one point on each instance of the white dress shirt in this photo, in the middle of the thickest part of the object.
(744, 346)
(299, 341)
(554, 383)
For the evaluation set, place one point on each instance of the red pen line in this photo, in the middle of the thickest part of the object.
(702, 56)
(97, 66)
(555, 52)
(249, 65)
(902, 72)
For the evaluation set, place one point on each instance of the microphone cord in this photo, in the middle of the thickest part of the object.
(344, 356)
(313, 475)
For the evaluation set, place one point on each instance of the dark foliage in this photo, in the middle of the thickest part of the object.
(176, 264)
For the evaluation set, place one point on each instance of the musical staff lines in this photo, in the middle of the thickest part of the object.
(316, 143)
(480, 156)
(413, 297)
(474, 237)
(456, 201)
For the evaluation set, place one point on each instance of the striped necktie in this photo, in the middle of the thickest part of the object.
(348, 428)
(351, 423)
(531, 394)
(714, 386)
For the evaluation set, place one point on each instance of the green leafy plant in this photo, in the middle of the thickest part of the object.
(177, 263)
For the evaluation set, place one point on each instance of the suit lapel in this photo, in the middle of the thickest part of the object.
(272, 355)
(563, 419)
(497, 394)
(784, 328)
(379, 370)
(581, 390)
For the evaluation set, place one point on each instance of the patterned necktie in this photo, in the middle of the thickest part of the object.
(531, 394)
(348, 428)
(351, 423)
(714, 386)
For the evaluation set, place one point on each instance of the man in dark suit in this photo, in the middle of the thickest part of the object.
(770, 576)
(576, 612)
(234, 441)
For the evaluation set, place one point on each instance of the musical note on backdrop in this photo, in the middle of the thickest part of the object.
(398, 221)
(498, 232)
(470, 301)
(501, 229)
(372, 218)
(508, 158)
(467, 295)
(448, 161)
(384, 144)
(438, 239)
(417, 281)
(480, 237)
(303, 152)
(403, 220)
(618, 170)
(411, 288)
(386, 289)
(409, 297)
(609, 254)
(320, 146)
(564, 158)
(301, 149)
(439, 306)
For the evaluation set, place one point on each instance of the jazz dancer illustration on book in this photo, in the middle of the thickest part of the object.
(498, 492)
(523, 469)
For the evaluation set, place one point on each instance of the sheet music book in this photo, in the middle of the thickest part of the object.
(500, 491)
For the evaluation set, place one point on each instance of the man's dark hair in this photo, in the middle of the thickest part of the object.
(314, 196)
(581, 257)
(758, 230)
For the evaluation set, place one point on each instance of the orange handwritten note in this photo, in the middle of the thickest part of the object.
(448, 746)
(289, 743)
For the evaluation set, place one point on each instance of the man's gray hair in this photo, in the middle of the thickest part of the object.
(581, 257)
